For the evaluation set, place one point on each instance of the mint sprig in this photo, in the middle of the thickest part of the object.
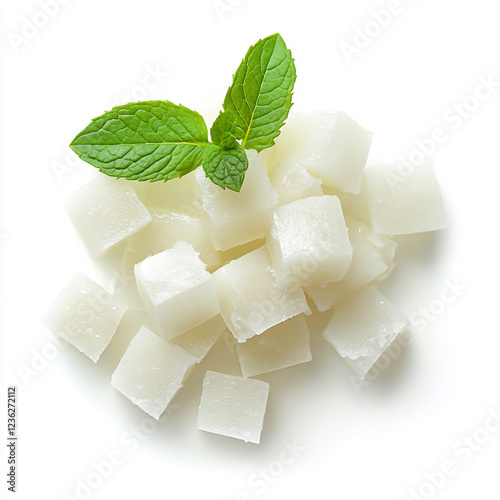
(159, 140)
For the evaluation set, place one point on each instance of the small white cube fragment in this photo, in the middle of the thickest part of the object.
(354, 206)
(332, 146)
(372, 259)
(180, 194)
(177, 291)
(233, 406)
(237, 252)
(236, 218)
(85, 315)
(283, 345)
(251, 300)
(151, 372)
(106, 211)
(126, 287)
(169, 226)
(404, 199)
(199, 340)
(292, 182)
(309, 242)
(363, 327)
(266, 158)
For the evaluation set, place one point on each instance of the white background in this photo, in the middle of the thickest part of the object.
(378, 442)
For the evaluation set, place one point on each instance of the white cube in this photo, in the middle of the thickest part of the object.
(308, 241)
(180, 194)
(85, 315)
(283, 345)
(404, 199)
(363, 327)
(372, 259)
(199, 340)
(169, 226)
(105, 212)
(233, 406)
(236, 218)
(292, 182)
(151, 372)
(177, 291)
(332, 146)
(251, 300)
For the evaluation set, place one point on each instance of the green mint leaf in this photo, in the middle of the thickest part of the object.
(152, 140)
(222, 131)
(225, 167)
(260, 97)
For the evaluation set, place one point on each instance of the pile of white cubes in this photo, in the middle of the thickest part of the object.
(311, 230)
